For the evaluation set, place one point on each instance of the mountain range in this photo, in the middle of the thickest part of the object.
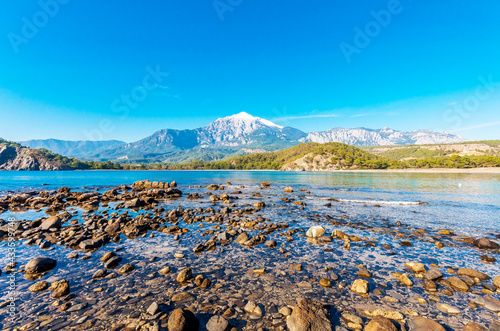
(234, 135)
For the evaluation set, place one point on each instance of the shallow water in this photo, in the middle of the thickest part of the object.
(368, 206)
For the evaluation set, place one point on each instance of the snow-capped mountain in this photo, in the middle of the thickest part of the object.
(241, 133)
(385, 136)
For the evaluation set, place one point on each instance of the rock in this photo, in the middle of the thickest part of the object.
(403, 278)
(242, 238)
(352, 318)
(53, 222)
(485, 243)
(101, 273)
(448, 309)
(59, 288)
(39, 286)
(325, 282)
(164, 271)
(424, 324)
(260, 204)
(185, 275)
(433, 274)
(252, 308)
(134, 203)
(471, 326)
(416, 267)
(182, 320)
(315, 231)
(271, 244)
(126, 268)
(40, 265)
(458, 285)
(288, 189)
(360, 286)
(182, 296)
(364, 273)
(107, 256)
(492, 304)
(285, 311)
(473, 274)
(153, 309)
(496, 281)
(217, 323)
(379, 323)
(113, 262)
(309, 315)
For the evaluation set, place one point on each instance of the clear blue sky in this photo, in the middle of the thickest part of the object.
(297, 63)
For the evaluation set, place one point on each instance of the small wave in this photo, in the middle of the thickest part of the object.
(375, 202)
(383, 202)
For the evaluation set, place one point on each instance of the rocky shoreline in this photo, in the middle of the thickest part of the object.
(156, 256)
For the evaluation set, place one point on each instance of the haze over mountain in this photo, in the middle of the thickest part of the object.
(80, 149)
(235, 135)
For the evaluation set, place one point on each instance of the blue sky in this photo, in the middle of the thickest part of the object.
(69, 71)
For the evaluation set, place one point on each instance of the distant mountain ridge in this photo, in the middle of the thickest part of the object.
(81, 149)
(382, 137)
(236, 135)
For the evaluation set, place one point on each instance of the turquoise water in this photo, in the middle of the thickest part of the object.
(462, 201)
(367, 205)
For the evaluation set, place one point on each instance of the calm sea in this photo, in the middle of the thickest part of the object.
(462, 201)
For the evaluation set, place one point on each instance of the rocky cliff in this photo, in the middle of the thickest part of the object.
(21, 158)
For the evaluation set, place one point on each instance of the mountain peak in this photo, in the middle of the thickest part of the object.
(247, 118)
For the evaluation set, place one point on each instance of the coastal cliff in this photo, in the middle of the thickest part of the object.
(22, 158)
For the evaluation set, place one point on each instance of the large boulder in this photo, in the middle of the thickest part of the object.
(379, 323)
(53, 222)
(185, 275)
(484, 243)
(309, 315)
(315, 231)
(40, 265)
(420, 323)
(473, 274)
(182, 320)
(217, 323)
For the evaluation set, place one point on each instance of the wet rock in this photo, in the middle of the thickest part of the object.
(107, 256)
(309, 315)
(53, 222)
(448, 309)
(285, 311)
(424, 324)
(379, 323)
(164, 271)
(185, 275)
(59, 288)
(325, 282)
(242, 238)
(72, 255)
(416, 267)
(485, 243)
(217, 323)
(433, 274)
(39, 265)
(473, 274)
(181, 297)
(471, 326)
(496, 281)
(182, 320)
(126, 268)
(360, 286)
(271, 244)
(113, 262)
(101, 273)
(288, 189)
(403, 278)
(458, 285)
(152, 309)
(364, 273)
(252, 308)
(39, 286)
(315, 231)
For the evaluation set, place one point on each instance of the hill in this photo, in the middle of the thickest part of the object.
(81, 149)
(308, 156)
(14, 156)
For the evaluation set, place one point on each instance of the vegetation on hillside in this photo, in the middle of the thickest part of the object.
(348, 156)
(70, 162)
